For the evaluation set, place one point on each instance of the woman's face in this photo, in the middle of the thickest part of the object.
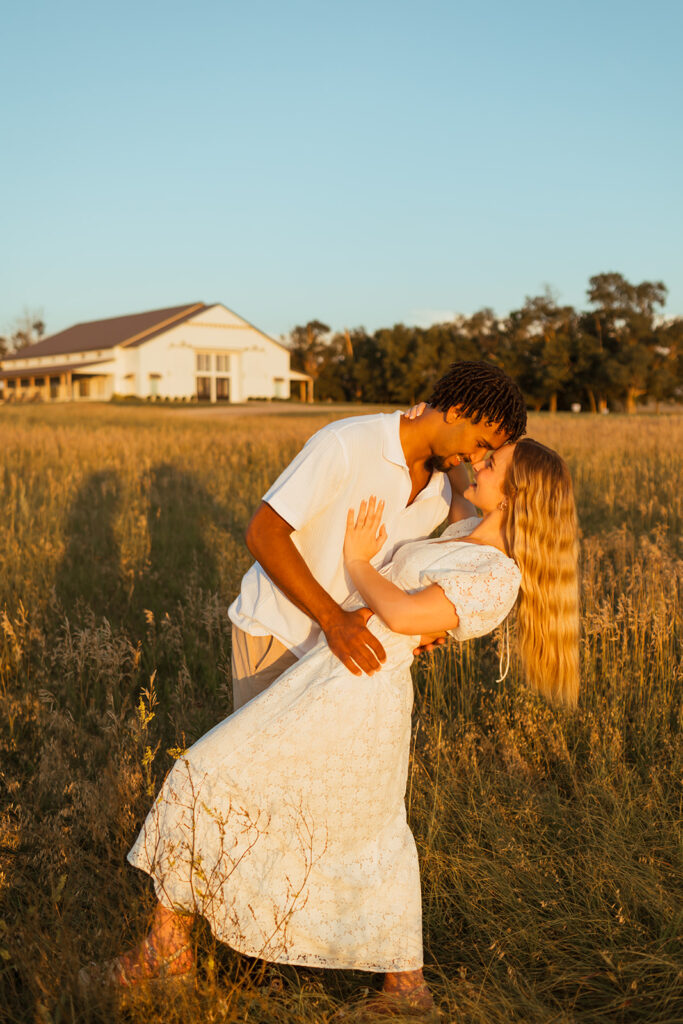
(487, 490)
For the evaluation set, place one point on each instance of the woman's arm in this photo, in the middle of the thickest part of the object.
(427, 611)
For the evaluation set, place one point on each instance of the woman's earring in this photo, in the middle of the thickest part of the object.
(502, 505)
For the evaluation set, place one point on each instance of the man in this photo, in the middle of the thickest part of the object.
(298, 584)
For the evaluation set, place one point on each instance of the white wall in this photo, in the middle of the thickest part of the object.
(254, 359)
(126, 366)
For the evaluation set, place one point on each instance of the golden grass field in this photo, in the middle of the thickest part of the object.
(550, 842)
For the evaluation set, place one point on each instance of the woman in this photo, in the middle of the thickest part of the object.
(285, 825)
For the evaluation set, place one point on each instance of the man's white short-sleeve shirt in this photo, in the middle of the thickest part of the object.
(336, 469)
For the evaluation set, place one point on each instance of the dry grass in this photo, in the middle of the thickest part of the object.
(550, 843)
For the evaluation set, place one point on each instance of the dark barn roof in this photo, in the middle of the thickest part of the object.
(102, 334)
(52, 370)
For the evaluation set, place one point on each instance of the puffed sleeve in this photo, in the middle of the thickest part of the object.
(480, 582)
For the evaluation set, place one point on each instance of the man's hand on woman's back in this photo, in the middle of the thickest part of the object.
(350, 639)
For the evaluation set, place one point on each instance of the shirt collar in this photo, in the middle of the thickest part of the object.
(393, 452)
(391, 449)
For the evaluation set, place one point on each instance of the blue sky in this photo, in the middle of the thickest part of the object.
(363, 163)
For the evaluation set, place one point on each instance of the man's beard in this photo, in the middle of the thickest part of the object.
(437, 464)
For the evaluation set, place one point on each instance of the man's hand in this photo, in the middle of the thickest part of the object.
(349, 638)
(430, 641)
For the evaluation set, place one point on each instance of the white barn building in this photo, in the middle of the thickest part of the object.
(186, 352)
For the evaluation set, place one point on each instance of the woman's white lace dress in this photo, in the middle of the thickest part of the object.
(285, 825)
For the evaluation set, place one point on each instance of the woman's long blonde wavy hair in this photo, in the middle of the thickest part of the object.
(542, 537)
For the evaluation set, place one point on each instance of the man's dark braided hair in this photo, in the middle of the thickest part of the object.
(482, 391)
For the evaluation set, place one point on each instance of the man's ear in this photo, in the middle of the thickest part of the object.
(452, 413)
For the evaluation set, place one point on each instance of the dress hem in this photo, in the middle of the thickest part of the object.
(296, 960)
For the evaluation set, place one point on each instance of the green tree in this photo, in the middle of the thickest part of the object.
(397, 349)
(665, 379)
(308, 348)
(623, 323)
(438, 346)
(488, 337)
(543, 338)
(336, 378)
(368, 374)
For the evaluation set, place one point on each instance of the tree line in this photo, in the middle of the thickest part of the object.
(615, 353)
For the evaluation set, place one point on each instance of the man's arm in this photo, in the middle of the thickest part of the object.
(269, 541)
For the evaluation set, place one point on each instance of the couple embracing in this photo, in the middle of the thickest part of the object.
(285, 825)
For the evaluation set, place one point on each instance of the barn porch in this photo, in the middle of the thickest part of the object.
(302, 381)
(59, 383)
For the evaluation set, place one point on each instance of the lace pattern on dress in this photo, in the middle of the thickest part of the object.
(482, 587)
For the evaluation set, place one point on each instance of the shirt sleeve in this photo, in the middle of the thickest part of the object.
(482, 586)
(311, 481)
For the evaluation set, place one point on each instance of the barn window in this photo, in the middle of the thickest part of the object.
(204, 388)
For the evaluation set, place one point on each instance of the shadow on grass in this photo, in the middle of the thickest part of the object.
(90, 580)
(180, 515)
